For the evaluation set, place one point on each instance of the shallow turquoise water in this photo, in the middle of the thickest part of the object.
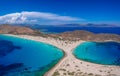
(107, 53)
(21, 57)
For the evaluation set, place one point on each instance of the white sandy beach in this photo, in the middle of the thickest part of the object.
(69, 65)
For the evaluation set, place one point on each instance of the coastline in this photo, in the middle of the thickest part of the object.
(50, 70)
(75, 64)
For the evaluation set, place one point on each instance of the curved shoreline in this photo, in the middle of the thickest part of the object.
(99, 62)
(42, 43)
(50, 70)
(67, 47)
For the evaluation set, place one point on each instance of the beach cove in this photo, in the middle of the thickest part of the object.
(106, 53)
(70, 65)
(23, 57)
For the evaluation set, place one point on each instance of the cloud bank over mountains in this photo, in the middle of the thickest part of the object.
(36, 17)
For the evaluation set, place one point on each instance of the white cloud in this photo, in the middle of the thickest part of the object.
(35, 17)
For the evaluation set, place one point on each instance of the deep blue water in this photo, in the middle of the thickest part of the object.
(55, 29)
(107, 53)
(21, 57)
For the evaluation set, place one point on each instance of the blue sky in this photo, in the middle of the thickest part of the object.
(60, 11)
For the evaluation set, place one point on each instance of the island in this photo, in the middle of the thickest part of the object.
(69, 65)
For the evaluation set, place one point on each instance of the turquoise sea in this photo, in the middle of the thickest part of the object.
(22, 57)
(107, 53)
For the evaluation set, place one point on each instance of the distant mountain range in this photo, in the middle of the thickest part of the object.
(74, 25)
(71, 25)
(89, 25)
